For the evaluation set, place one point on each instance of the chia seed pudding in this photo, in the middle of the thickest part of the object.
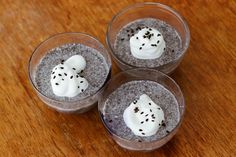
(173, 41)
(121, 98)
(97, 70)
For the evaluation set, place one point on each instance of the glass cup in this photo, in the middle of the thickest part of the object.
(148, 10)
(78, 106)
(142, 74)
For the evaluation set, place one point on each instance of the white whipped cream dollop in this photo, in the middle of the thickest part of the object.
(143, 116)
(148, 43)
(65, 77)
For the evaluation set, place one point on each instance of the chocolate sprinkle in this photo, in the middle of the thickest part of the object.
(149, 103)
(140, 48)
(150, 110)
(158, 41)
(73, 68)
(54, 77)
(143, 44)
(158, 35)
(137, 38)
(152, 120)
(62, 67)
(81, 81)
(140, 130)
(146, 115)
(78, 86)
(141, 112)
(59, 75)
(71, 77)
(143, 133)
(57, 84)
(110, 121)
(65, 74)
(53, 72)
(173, 50)
(142, 122)
(82, 90)
(62, 79)
(167, 131)
(146, 120)
(122, 39)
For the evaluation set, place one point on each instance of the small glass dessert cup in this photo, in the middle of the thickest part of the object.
(54, 43)
(118, 82)
(156, 11)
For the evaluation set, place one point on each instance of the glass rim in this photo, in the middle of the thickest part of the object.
(51, 38)
(150, 70)
(136, 5)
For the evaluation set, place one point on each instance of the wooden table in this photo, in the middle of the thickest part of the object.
(207, 77)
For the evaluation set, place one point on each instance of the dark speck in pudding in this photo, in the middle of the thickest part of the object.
(121, 98)
(170, 35)
(96, 71)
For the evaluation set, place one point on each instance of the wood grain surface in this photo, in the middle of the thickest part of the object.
(207, 77)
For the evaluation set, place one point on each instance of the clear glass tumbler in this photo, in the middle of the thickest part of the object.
(142, 74)
(148, 10)
(78, 106)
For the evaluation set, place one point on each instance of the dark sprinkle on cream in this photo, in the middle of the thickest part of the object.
(141, 112)
(62, 67)
(65, 74)
(158, 41)
(59, 75)
(142, 122)
(143, 44)
(57, 84)
(158, 35)
(143, 133)
(71, 77)
(54, 77)
(81, 81)
(146, 115)
(149, 103)
(140, 130)
(140, 48)
(146, 120)
(73, 68)
(82, 90)
(136, 109)
(150, 110)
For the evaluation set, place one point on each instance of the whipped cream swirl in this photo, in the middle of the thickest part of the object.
(65, 77)
(148, 43)
(143, 116)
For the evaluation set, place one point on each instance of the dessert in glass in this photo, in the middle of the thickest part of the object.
(69, 70)
(148, 35)
(141, 108)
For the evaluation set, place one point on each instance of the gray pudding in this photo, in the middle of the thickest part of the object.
(123, 96)
(173, 43)
(96, 71)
